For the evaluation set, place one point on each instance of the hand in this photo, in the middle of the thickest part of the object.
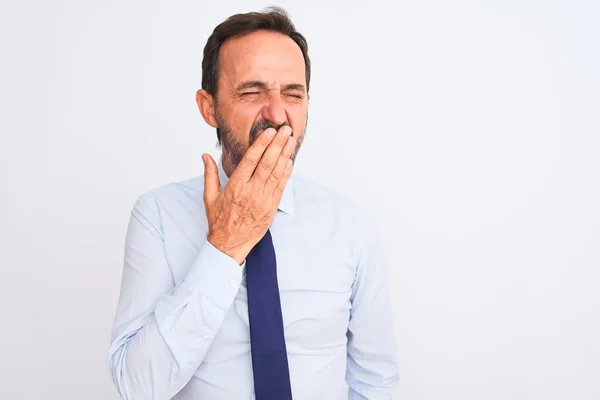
(240, 214)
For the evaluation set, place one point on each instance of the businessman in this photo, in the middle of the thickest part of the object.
(249, 281)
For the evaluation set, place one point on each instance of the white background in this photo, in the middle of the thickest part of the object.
(469, 128)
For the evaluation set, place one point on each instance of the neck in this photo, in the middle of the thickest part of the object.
(228, 166)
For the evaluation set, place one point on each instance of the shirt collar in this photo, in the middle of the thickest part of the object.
(286, 204)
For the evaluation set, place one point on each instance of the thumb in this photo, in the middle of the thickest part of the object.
(212, 185)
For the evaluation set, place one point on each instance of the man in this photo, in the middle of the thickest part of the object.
(252, 282)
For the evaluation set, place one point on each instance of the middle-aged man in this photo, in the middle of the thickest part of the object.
(251, 282)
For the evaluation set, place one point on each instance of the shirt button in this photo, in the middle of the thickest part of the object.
(205, 335)
(232, 283)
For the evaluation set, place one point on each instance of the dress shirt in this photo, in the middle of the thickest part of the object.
(181, 325)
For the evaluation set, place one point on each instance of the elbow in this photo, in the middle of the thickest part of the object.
(116, 370)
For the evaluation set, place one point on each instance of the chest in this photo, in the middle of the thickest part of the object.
(315, 272)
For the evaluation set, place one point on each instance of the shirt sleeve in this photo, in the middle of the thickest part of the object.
(372, 367)
(162, 332)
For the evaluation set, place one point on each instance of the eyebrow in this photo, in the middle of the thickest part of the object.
(263, 85)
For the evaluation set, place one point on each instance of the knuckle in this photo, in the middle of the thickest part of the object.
(252, 158)
(238, 198)
(244, 197)
(266, 164)
(233, 190)
(275, 176)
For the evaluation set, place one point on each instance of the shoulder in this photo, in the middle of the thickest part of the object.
(191, 187)
(177, 194)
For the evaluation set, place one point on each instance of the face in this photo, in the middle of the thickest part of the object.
(262, 84)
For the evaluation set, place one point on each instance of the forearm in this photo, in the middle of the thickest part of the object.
(155, 362)
(369, 393)
(361, 390)
(154, 355)
(372, 366)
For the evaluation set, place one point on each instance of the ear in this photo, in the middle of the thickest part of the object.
(206, 106)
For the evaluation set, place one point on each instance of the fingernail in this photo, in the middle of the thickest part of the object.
(286, 130)
(270, 133)
(204, 158)
(291, 142)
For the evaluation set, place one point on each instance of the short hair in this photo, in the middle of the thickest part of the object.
(273, 19)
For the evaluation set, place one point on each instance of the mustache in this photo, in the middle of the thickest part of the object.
(260, 126)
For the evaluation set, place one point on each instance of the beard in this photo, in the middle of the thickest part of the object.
(234, 149)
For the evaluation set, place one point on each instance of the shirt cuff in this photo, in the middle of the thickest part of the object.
(214, 275)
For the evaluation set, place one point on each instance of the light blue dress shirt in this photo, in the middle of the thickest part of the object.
(181, 326)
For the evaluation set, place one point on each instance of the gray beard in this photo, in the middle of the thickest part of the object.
(234, 150)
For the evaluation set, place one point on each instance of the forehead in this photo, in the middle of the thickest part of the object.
(265, 56)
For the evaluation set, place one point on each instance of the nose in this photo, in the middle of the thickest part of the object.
(274, 111)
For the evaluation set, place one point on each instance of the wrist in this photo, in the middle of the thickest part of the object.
(235, 252)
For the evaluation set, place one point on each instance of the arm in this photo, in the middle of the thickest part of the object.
(372, 353)
(162, 332)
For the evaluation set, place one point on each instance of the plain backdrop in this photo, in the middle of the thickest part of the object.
(469, 128)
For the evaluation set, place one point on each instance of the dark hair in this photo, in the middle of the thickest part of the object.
(273, 19)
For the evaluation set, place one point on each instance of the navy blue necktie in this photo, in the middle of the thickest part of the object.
(267, 342)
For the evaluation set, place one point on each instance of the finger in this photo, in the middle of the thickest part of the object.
(279, 170)
(212, 184)
(252, 157)
(269, 159)
(287, 172)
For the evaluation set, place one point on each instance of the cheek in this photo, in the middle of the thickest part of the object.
(297, 117)
(242, 118)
